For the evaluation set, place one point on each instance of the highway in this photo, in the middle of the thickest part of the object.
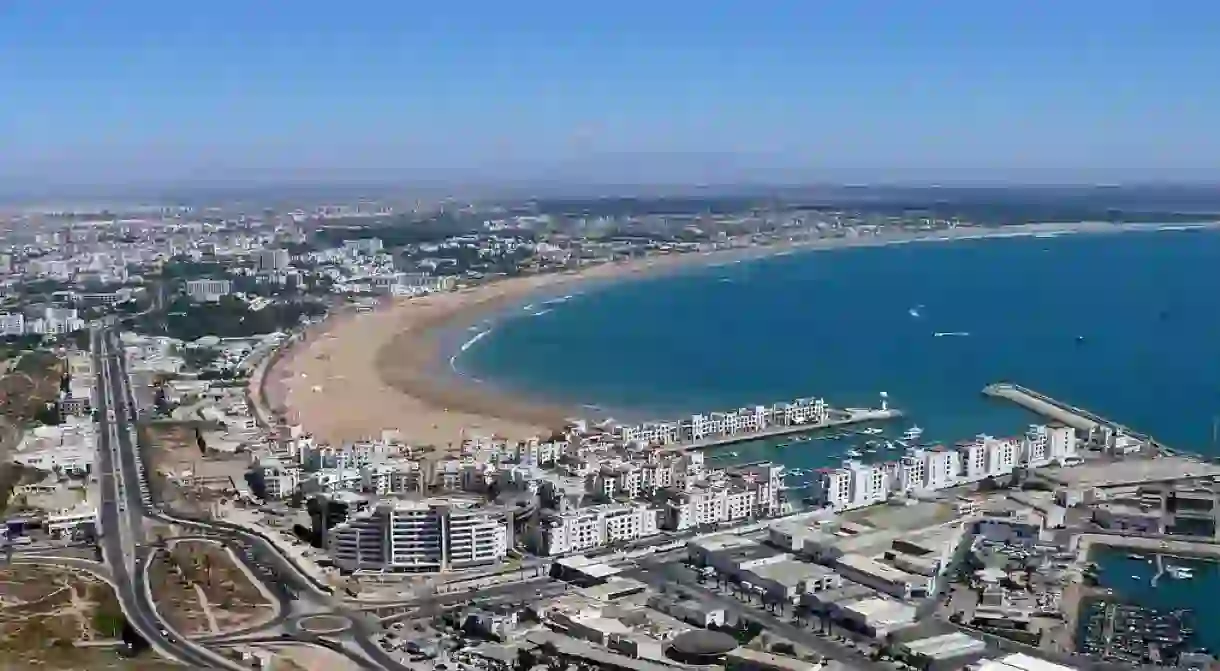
(126, 503)
(121, 521)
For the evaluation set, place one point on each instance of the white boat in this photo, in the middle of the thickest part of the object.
(912, 434)
(871, 431)
(915, 311)
(891, 445)
(1179, 572)
(855, 453)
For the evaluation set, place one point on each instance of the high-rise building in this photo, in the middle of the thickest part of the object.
(420, 536)
(270, 260)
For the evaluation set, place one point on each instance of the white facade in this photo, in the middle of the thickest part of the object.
(853, 485)
(206, 290)
(419, 536)
(595, 526)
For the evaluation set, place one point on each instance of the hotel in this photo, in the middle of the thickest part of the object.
(419, 536)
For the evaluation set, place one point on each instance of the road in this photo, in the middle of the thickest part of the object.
(121, 521)
(667, 576)
(126, 503)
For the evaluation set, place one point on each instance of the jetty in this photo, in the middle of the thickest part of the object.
(1054, 409)
(1076, 417)
(841, 419)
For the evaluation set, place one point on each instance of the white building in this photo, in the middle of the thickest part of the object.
(592, 527)
(853, 485)
(419, 536)
(12, 323)
(208, 290)
(273, 259)
(369, 246)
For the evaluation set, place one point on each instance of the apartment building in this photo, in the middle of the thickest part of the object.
(708, 504)
(621, 478)
(208, 290)
(856, 485)
(591, 527)
(272, 479)
(420, 536)
(939, 468)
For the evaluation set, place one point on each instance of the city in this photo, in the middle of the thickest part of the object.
(146, 454)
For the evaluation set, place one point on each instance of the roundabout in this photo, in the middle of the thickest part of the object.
(322, 625)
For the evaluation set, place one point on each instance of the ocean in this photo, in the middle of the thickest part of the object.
(1124, 325)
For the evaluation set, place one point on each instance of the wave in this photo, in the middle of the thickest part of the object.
(557, 301)
(470, 343)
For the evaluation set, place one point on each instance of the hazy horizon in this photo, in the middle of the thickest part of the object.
(481, 96)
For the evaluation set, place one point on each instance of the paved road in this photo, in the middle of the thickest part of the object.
(669, 575)
(120, 505)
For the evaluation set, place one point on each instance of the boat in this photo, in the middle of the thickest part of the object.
(733, 454)
(1180, 572)
(891, 445)
(1136, 577)
(871, 431)
(855, 453)
(916, 311)
(1137, 557)
(912, 434)
(951, 334)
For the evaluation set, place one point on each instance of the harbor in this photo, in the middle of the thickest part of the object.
(855, 417)
(751, 423)
(1078, 418)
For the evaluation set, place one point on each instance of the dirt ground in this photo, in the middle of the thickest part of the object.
(201, 591)
(173, 448)
(44, 611)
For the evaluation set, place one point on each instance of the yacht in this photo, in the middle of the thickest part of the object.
(891, 445)
(871, 431)
(854, 453)
(912, 434)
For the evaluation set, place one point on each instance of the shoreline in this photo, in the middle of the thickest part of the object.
(359, 374)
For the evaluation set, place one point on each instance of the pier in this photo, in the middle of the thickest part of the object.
(1041, 404)
(841, 419)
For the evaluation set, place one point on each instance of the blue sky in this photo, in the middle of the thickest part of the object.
(134, 92)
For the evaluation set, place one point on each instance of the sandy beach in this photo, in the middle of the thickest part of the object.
(357, 375)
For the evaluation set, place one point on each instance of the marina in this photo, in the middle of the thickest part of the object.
(800, 418)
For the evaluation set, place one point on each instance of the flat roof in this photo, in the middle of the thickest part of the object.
(791, 572)
(883, 611)
(1115, 473)
(1022, 662)
(945, 646)
(720, 542)
(872, 567)
(768, 660)
(590, 567)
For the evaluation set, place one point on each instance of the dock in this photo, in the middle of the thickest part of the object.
(842, 418)
(1054, 409)
(1070, 415)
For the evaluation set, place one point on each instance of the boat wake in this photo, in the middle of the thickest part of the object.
(471, 343)
(465, 346)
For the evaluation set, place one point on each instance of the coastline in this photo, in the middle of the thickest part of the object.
(356, 375)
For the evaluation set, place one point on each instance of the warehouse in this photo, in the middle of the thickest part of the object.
(940, 652)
